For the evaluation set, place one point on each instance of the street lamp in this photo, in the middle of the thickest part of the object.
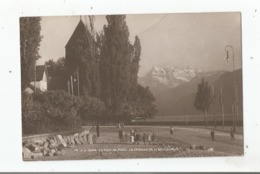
(228, 48)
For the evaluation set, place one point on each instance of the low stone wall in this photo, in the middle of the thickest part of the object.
(53, 144)
(43, 137)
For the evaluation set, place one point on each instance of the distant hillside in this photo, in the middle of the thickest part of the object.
(176, 100)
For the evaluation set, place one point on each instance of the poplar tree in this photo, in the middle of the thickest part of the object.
(30, 39)
(118, 67)
(203, 99)
(135, 60)
(115, 62)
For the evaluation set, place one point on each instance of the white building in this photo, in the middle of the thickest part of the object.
(41, 78)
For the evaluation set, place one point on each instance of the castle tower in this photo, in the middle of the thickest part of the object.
(81, 62)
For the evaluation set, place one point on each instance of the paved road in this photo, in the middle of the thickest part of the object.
(197, 129)
(184, 135)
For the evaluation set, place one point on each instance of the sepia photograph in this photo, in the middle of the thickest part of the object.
(131, 86)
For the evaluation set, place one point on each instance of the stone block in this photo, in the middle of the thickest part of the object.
(72, 140)
(193, 147)
(211, 149)
(37, 155)
(76, 139)
(61, 140)
(27, 154)
(85, 139)
(52, 144)
(90, 138)
(53, 151)
(65, 139)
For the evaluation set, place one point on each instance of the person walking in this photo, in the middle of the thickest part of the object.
(212, 133)
(137, 137)
(120, 136)
(132, 132)
(97, 129)
(171, 130)
(132, 137)
(144, 138)
(125, 134)
(154, 137)
(149, 138)
(232, 134)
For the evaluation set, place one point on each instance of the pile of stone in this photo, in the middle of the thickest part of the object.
(54, 145)
(84, 137)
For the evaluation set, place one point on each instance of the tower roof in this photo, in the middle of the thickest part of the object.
(80, 33)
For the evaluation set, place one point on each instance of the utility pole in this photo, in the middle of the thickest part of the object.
(186, 115)
(222, 108)
(235, 100)
(71, 82)
(237, 107)
(68, 82)
(35, 73)
(234, 82)
(78, 79)
(233, 114)
(214, 113)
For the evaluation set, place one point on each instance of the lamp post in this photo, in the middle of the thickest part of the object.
(228, 48)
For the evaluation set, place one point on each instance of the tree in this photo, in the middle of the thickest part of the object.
(30, 39)
(135, 60)
(134, 67)
(92, 109)
(56, 68)
(115, 61)
(56, 74)
(143, 102)
(124, 112)
(203, 98)
(119, 66)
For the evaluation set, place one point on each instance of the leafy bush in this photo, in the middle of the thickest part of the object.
(32, 115)
(50, 112)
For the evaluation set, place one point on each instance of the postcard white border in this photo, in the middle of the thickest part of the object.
(10, 107)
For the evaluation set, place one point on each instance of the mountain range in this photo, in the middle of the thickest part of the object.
(175, 88)
(159, 79)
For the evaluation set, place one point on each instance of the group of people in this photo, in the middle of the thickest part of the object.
(136, 137)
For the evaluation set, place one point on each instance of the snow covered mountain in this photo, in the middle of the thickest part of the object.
(159, 79)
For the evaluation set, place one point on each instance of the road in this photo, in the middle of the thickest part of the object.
(104, 146)
(185, 135)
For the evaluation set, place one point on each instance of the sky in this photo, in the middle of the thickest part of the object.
(185, 39)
